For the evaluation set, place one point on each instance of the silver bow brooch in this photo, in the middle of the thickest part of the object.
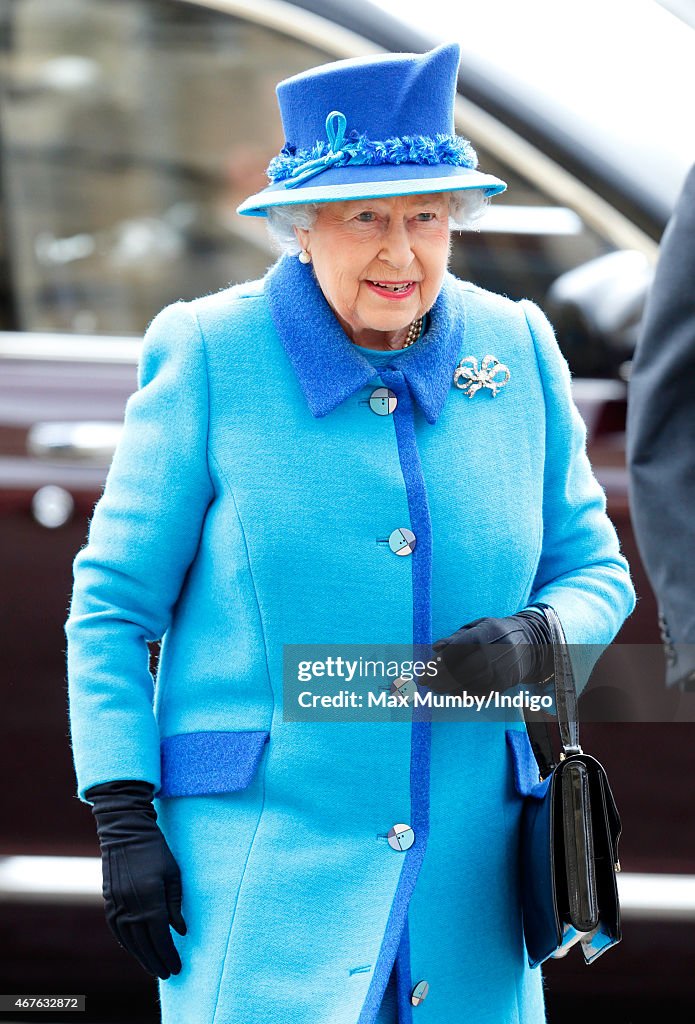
(471, 379)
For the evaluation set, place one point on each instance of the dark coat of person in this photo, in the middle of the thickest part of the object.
(661, 439)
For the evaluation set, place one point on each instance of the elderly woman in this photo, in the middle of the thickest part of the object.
(357, 449)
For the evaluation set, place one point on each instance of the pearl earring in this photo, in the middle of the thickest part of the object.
(304, 256)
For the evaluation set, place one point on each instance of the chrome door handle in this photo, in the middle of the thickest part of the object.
(91, 441)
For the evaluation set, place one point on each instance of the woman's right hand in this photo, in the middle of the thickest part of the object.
(141, 879)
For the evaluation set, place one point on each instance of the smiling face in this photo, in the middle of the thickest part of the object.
(380, 262)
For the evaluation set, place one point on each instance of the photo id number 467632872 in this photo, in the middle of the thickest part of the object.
(41, 1002)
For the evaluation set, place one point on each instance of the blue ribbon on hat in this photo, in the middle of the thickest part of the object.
(293, 169)
(338, 151)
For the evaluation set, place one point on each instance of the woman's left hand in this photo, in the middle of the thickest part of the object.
(494, 654)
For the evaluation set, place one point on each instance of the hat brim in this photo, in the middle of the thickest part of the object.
(371, 182)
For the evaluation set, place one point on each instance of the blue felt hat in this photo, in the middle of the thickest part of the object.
(368, 127)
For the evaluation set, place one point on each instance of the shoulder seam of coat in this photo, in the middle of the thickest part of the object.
(522, 305)
(194, 317)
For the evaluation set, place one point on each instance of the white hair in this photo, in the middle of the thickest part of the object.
(466, 207)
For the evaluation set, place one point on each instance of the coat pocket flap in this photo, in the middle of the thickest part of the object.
(199, 763)
(526, 773)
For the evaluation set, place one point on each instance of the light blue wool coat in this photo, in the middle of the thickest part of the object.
(249, 506)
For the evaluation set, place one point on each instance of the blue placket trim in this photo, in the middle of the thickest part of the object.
(396, 944)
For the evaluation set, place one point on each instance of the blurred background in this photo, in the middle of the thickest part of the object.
(129, 132)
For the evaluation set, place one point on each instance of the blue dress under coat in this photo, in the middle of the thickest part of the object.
(249, 506)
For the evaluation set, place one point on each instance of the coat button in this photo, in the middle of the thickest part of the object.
(383, 401)
(419, 993)
(403, 688)
(402, 541)
(401, 837)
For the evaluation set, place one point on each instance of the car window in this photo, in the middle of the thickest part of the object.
(131, 130)
(525, 240)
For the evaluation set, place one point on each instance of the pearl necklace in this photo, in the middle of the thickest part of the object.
(413, 332)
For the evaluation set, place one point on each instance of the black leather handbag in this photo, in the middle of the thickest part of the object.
(569, 835)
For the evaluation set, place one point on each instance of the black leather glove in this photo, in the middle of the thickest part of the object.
(494, 654)
(142, 881)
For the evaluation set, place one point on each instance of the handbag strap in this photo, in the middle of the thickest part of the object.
(565, 700)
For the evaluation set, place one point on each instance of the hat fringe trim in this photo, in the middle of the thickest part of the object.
(293, 166)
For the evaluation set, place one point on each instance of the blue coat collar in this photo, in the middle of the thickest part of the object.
(330, 368)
